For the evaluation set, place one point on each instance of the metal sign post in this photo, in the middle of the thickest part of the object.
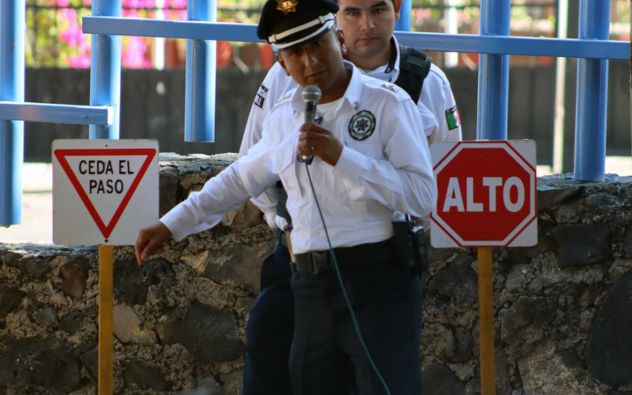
(486, 321)
(106, 348)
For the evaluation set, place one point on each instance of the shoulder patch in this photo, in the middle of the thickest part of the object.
(260, 98)
(452, 118)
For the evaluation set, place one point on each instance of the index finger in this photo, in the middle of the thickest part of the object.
(312, 127)
(141, 243)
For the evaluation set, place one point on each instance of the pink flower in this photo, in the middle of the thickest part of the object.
(79, 61)
(72, 36)
(131, 13)
(134, 55)
(178, 3)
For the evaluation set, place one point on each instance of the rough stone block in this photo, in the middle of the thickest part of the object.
(208, 333)
(10, 298)
(582, 244)
(609, 349)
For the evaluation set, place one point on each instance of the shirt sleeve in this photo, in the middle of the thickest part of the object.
(248, 176)
(428, 118)
(274, 85)
(403, 180)
(437, 95)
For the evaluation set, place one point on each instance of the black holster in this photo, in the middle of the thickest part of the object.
(410, 246)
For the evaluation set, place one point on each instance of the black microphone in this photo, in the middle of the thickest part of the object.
(311, 97)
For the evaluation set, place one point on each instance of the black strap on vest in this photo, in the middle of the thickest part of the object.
(414, 66)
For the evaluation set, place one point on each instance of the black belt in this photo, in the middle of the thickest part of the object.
(320, 262)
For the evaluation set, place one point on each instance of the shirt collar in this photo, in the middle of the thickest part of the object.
(393, 62)
(389, 71)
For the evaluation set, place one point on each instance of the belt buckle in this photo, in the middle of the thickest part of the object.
(320, 261)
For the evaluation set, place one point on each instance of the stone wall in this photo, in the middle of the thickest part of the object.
(563, 308)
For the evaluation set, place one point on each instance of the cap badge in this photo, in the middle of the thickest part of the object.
(286, 6)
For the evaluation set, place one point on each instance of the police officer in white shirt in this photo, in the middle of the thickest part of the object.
(378, 57)
(367, 164)
(368, 27)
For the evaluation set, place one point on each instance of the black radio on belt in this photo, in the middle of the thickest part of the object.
(410, 245)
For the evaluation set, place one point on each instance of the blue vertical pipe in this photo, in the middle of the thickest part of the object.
(199, 107)
(592, 95)
(493, 74)
(12, 30)
(105, 71)
(403, 22)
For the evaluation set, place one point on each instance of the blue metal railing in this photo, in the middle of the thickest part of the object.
(12, 26)
(221, 31)
(199, 103)
(105, 72)
(494, 44)
(493, 74)
(592, 95)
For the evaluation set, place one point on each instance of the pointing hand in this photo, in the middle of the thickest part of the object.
(150, 240)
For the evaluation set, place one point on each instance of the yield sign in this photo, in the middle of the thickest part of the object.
(104, 191)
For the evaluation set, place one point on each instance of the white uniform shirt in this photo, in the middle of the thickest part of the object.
(384, 166)
(436, 105)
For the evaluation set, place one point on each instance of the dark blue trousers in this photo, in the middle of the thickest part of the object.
(387, 302)
(269, 329)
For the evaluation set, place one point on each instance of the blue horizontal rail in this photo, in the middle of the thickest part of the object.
(56, 113)
(474, 43)
(147, 27)
(508, 45)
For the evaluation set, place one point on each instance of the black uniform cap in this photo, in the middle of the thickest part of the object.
(285, 23)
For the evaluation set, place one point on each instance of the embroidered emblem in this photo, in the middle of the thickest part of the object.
(452, 118)
(286, 6)
(261, 96)
(362, 125)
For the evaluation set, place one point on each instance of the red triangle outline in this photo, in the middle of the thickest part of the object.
(106, 230)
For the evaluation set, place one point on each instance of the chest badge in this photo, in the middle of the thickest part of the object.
(362, 125)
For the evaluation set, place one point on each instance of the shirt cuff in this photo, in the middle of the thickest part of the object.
(270, 219)
(171, 221)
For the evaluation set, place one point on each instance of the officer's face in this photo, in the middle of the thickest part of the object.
(318, 62)
(368, 26)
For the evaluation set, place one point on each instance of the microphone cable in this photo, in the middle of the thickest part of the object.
(344, 290)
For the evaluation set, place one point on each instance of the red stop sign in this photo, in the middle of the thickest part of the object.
(486, 195)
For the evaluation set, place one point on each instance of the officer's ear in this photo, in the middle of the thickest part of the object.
(397, 4)
(340, 35)
(281, 62)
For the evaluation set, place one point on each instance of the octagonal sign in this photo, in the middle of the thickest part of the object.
(486, 194)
